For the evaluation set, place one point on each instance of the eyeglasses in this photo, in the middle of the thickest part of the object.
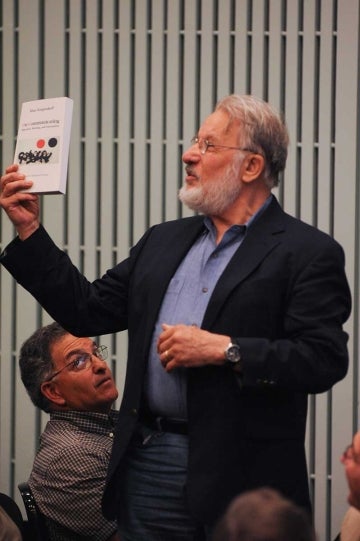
(204, 144)
(83, 361)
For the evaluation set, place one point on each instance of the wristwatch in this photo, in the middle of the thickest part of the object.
(233, 355)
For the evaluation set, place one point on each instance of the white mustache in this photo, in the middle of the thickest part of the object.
(190, 172)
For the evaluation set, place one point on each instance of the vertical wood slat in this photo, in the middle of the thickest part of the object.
(223, 86)
(208, 92)
(7, 134)
(240, 68)
(292, 86)
(175, 58)
(257, 48)
(107, 147)
(324, 81)
(74, 195)
(306, 145)
(54, 86)
(157, 111)
(323, 198)
(91, 136)
(106, 159)
(190, 85)
(122, 211)
(25, 310)
(124, 97)
(307, 114)
(346, 204)
(276, 85)
(141, 73)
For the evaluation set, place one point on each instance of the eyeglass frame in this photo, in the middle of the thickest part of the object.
(100, 352)
(201, 142)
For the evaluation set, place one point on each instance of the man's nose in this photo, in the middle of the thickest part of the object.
(191, 154)
(98, 365)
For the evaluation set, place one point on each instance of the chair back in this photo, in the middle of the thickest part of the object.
(12, 510)
(37, 523)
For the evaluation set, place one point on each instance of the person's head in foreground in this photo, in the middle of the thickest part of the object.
(62, 372)
(264, 515)
(351, 461)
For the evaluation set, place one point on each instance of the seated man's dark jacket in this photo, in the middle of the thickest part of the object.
(283, 297)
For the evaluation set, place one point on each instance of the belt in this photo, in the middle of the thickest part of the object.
(163, 424)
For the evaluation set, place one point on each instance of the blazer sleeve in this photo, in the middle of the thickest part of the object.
(83, 308)
(305, 348)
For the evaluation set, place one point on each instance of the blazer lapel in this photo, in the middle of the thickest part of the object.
(263, 236)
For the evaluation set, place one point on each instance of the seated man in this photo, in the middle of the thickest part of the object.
(264, 515)
(67, 377)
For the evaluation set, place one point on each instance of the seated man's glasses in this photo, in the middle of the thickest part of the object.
(83, 361)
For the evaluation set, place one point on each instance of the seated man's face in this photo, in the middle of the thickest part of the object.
(351, 461)
(81, 384)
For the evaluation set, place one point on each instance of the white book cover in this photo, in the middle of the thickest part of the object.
(43, 143)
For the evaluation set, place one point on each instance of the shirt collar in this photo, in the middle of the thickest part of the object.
(240, 229)
(88, 420)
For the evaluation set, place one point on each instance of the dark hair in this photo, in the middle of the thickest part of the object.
(264, 515)
(36, 364)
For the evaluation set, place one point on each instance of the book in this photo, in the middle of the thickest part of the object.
(43, 143)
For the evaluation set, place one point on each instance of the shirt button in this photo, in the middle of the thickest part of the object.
(111, 435)
(204, 289)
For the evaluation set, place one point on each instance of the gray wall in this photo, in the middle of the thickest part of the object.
(143, 74)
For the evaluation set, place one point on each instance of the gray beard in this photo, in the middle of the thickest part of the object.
(213, 198)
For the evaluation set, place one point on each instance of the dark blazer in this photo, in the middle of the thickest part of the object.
(283, 297)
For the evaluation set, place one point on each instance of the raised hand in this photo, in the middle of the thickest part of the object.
(21, 207)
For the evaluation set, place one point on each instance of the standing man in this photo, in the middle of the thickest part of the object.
(68, 377)
(233, 318)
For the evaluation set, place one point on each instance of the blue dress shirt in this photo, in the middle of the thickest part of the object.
(185, 302)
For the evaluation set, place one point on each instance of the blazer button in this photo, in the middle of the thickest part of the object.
(134, 411)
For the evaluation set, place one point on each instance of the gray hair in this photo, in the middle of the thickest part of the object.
(261, 129)
(36, 364)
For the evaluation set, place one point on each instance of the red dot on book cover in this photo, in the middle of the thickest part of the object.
(40, 143)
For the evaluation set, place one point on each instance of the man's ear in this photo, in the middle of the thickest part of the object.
(356, 443)
(50, 390)
(252, 167)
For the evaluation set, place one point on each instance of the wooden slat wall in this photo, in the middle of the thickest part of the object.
(143, 74)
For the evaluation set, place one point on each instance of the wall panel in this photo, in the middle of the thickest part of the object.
(143, 75)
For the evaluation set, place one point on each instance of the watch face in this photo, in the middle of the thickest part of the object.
(233, 354)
